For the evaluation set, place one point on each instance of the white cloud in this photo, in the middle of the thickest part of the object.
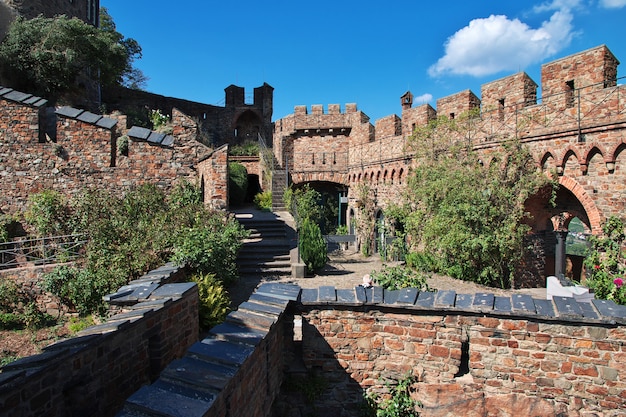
(423, 99)
(490, 45)
(612, 4)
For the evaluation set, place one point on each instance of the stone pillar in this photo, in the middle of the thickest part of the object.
(559, 253)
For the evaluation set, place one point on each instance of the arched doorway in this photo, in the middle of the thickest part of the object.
(549, 231)
(247, 128)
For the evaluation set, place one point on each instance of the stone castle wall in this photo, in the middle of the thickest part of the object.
(575, 130)
(81, 151)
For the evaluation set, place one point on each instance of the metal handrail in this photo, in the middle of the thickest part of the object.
(41, 251)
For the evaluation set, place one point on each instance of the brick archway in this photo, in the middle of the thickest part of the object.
(593, 214)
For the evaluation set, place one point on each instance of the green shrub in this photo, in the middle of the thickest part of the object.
(211, 247)
(8, 294)
(48, 213)
(80, 288)
(398, 403)
(123, 143)
(605, 264)
(312, 246)
(76, 324)
(248, 148)
(342, 230)
(396, 277)
(11, 321)
(237, 183)
(263, 200)
(421, 261)
(35, 318)
(214, 300)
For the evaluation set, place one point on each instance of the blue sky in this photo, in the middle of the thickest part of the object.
(368, 53)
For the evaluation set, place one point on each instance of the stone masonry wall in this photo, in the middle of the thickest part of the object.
(213, 174)
(95, 371)
(83, 153)
(470, 360)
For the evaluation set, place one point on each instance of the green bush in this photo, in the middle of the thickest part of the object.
(11, 321)
(605, 264)
(211, 247)
(237, 183)
(421, 261)
(263, 200)
(48, 213)
(129, 235)
(312, 246)
(398, 403)
(214, 300)
(396, 277)
(248, 148)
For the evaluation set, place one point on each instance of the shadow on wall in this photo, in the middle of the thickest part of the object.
(322, 387)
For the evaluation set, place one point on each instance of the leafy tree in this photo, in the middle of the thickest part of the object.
(48, 213)
(47, 56)
(469, 217)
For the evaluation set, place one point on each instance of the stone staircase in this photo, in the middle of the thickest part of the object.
(265, 254)
(279, 182)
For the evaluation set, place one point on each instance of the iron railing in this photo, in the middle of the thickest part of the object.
(41, 251)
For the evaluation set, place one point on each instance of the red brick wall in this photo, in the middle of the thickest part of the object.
(524, 367)
(94, 373)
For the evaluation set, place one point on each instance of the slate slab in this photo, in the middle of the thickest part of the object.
(407, 296)
(199, 373)
(156, 137)
(309, 295)
(609, 309)
(89, 117)
(139, 132)
(544, 307)
(256, 321)
(483, 301)
(464, 301)
(68, 112)
(589, 311)
(167, 141)
(361, 295)
(445, 298)
(284, 291)
(391, 296)
(522, 303)
(327, 294)
(426, 299)
(221, 351)
(346, 296)
(106, 123)
(502, 305)
(261, 308)
(260, 298)
(567, 306)
(239, 334)
(180, 402)
(17, 96)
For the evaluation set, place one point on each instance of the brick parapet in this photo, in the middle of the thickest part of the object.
(237, 370)
(469, 352)
(95, 371)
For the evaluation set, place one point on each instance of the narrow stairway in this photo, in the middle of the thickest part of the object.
(265, 255)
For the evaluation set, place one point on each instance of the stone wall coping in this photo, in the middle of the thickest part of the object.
(143, 134)
(86, 117)
(562, 309)
(22, 98)
(198, 379)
